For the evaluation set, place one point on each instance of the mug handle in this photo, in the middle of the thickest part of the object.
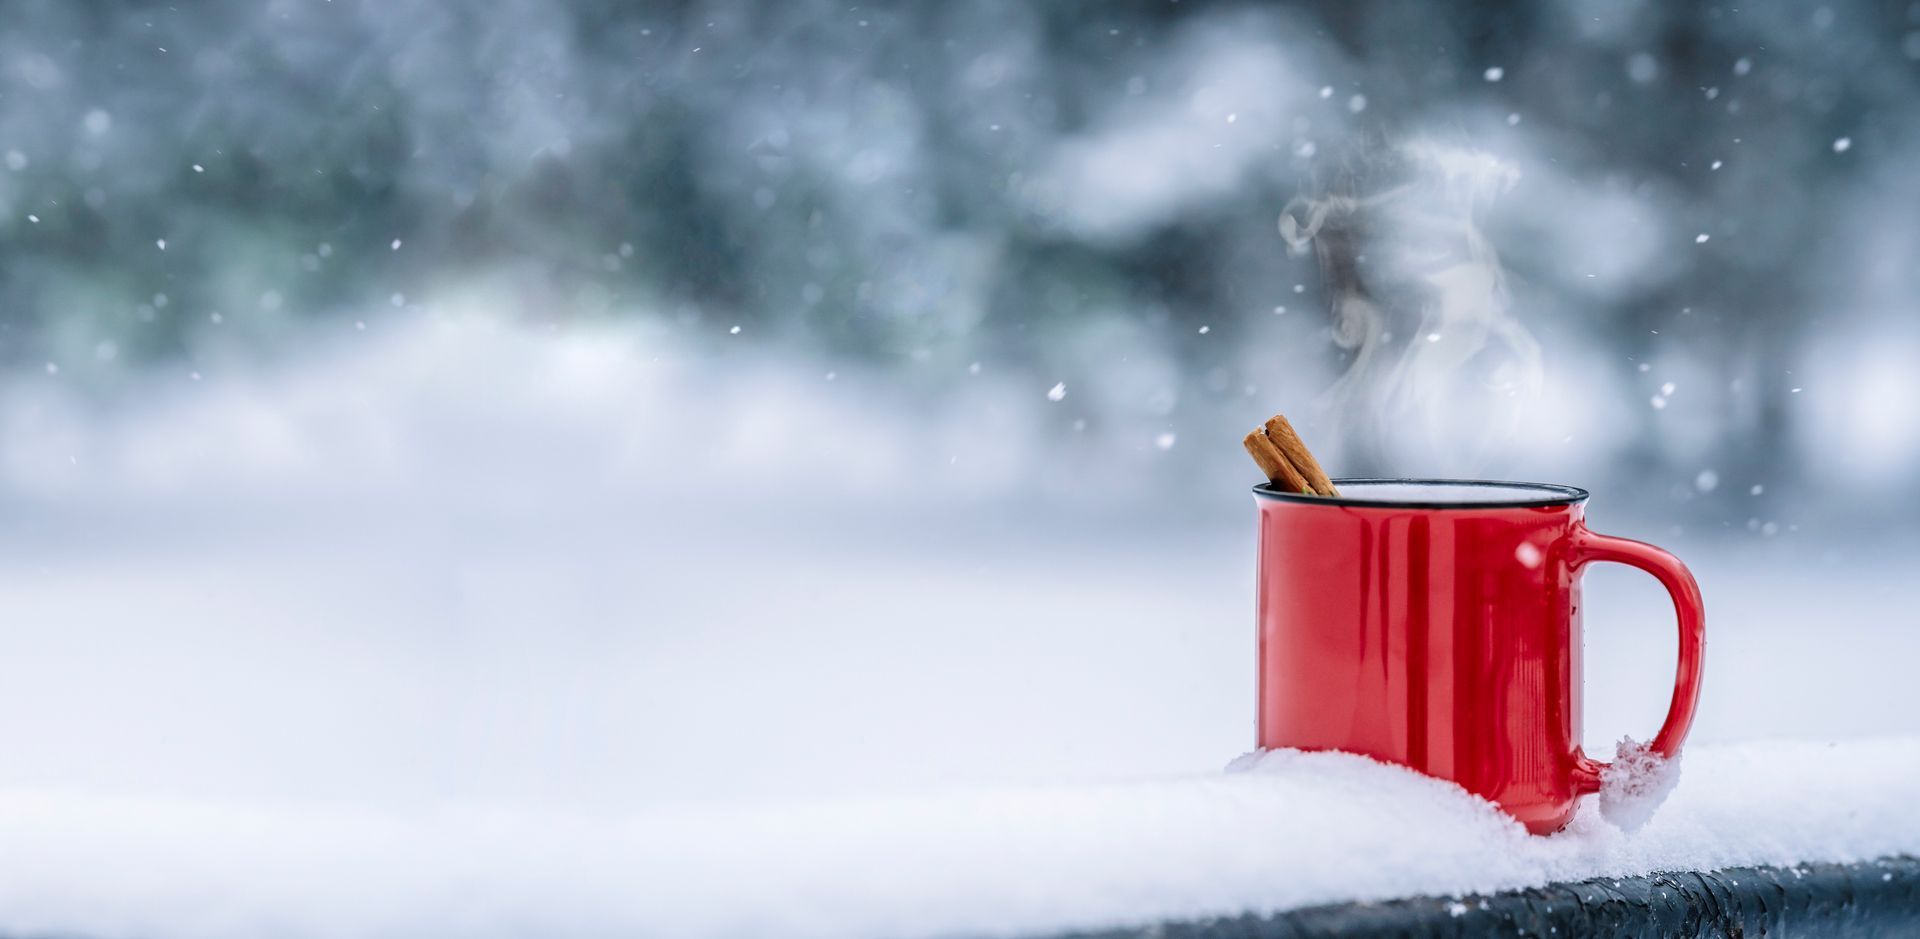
(1586, 546)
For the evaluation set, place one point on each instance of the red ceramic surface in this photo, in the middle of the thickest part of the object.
(1444, 634)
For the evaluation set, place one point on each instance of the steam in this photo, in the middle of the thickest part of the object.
(1441, 370)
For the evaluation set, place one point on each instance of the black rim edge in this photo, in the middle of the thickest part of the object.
(1552, 494)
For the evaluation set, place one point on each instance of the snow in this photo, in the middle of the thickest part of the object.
(1288, 829)
(373, 642)
(1642, 68)
(1635, 784)
(1528, 553)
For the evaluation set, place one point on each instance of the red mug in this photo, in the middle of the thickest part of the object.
(1435, 623)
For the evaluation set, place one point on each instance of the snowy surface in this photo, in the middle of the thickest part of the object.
(1297, 829)
(383, 642)
(1636, 782)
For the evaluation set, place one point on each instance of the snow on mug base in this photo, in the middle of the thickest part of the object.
(1436, 624)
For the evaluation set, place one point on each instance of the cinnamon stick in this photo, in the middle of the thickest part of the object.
(1295, 450)
(1274, 463)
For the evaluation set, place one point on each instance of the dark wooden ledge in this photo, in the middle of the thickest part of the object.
(1869, 899)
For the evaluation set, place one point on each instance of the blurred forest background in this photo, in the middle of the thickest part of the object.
(1702, 217)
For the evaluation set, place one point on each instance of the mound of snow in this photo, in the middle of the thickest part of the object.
(1635, 784)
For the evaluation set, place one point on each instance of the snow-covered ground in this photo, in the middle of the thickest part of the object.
(1299, 829)
(465, 630)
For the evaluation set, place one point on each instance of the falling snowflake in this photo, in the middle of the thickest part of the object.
(1058, 392)
(1528, 554)
(1642, 68)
